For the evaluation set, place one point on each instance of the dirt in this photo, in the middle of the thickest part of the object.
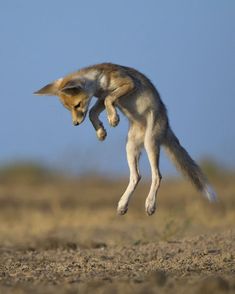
(64, 236)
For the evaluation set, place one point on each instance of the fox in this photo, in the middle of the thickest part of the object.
(123, 88)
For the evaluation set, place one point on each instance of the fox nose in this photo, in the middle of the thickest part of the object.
(75, 123)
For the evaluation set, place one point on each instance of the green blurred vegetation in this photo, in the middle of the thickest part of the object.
(34, 172)
(213, 169)
(26, 171)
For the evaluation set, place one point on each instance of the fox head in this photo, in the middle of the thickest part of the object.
(73, 96)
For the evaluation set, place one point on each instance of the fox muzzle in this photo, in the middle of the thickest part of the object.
(75, 123)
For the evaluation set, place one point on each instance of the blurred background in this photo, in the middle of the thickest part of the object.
(59, 185)
(186, 48)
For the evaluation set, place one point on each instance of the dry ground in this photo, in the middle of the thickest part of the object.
(63, 236)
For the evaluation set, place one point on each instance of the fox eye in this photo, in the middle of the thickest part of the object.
(78, 105)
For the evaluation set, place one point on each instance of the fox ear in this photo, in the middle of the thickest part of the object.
(72, 88)
(50, 89)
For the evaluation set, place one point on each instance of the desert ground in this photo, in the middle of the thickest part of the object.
(61, 234)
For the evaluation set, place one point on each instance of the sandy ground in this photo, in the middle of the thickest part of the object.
(64, 236)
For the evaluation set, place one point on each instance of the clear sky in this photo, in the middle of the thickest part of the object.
(187, 48)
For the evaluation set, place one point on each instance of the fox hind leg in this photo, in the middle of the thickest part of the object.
(133, 149)
(153, 152)
(152, 147)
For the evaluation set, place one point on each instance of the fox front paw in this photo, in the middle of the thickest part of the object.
(113, 120)
(101, 134)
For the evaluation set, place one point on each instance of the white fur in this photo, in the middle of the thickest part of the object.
(210, 193)
(133, 148)
(103, 82)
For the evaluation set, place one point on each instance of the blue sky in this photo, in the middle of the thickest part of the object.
(187, 48)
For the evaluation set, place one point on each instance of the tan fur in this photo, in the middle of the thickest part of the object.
(125, 88)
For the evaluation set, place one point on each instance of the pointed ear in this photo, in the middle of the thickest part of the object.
(50, 89)
(73, 87)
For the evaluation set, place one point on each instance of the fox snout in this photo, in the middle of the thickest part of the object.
(75, 123)
(77, 116)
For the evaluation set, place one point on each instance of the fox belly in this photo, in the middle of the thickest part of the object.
(136, 106)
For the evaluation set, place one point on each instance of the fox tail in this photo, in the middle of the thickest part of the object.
(187, 165)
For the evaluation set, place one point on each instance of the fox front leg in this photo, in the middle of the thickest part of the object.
(94, 118)
(110, 100)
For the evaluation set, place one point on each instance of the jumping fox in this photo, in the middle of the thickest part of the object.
(130, 91)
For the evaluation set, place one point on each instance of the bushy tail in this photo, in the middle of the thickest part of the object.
(187, 165)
